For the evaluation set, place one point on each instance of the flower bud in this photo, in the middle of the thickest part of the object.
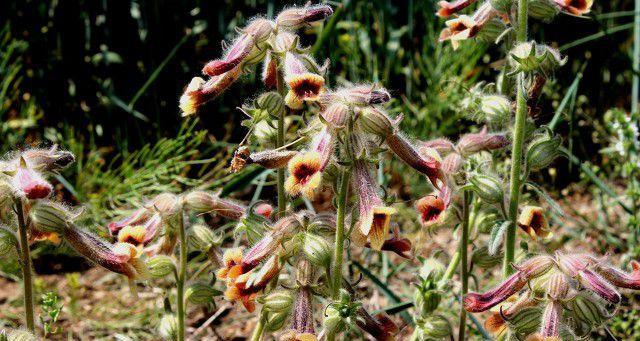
(272, 159)
(317, 249)
(28, 183)
(544, 10)
(160, 266)
(203, 238)
(48, 159)
(271, 102)
(492, 29)
(435, 327)
(376, 122)
(333, 321)
(426, 301)
(336, 115)
(532, 57)
(557, 286)
(542, 151)
(168, 327)
(200, 293)
(49, 216)
(482, 258)
(525, 321)
(487, 187)
(588, 310)
(295, 17)
(276, 320)
(474, 143)
(432, 269)
(278, 301)
(496, 108)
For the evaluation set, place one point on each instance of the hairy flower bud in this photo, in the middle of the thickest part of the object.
(376, 122)
(49, 216)
(317, 249)
(586, 309)
(482, 258)
(271, 102)
(239, 50)
(474, 143)
(295, 17)
(435, 327)
(203, 238)
(272, 159)
(487, 187)
(558, 286)
(620, 278)
(201, 202)
(542, 151)
(276, 320)
(336, 115)
(496, 108)
(502, 5)
(544, 10)
(28, 183)
(334, 322)
(278, 301)
(532, 57)
(551, 316)
(426, 301)
(48, 159)
(160, 266)
(427, 164)
(200, 293)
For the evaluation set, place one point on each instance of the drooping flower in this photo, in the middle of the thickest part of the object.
(400, 246)
(245, 287)
(533, 222)
(201, 202)
(466, 27)
(28, 183)
(200, 91)
(305, 169)
(122, 258)
(476, 142)
(449, 8)
(578, 266)
(620, 278)
(375, 217)
(50, 159)
(426, 161)
(576, 7)
(380, 327)
(140, 234)
(433, 207)
(232, 264)
(304, 85)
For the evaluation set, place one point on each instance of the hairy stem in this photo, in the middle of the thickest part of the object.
(464, 262)
(257, 332)
(336, 273)
(516, 151)
(282, 204)
(182, 277)
(25, 260)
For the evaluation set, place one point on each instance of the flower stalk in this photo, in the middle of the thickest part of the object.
(515, 184)
(464, 261)
(182, 276)
(336, 272)
(26, 266)
(282, 203)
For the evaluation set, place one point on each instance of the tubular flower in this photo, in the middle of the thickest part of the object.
(296, 17)
(200, 91)
(432, 208)
(525, 271)
(401, 246)
(442, 145)
(48, 159)
(201, 202)
(576, 7)
(303, 84)
(303, 312)
(449, 8)
(466, 27)
(426, 163)
(533, 222)
(245, 287)
(358, 95)
(270, 242)
(619, 278)
(122, 258)
(28, 183)
(232, 264)
(578, 267)
(305, 170)
(551, 321)
(140, 234)
(381, 327)
(375, 216)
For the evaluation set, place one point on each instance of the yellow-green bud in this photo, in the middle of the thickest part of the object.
(544, 10)
(484, 260)
(487, 187)
(200, 293)
(426, 302)
(492, 29)
(271, 102)
(530, 57)
(496, 108)
(278, 301)
(542, 151)
(168, 327)
(198, 202)
(202, 238)
(317, 249)
(432, 269)
(160, 266)
(525, 321)
(50, 216)
(275, 320)
(376, 122)
(587, 310)
(435, 327)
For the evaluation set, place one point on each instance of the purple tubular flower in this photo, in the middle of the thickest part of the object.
(425, 164)
(442, 146)
(620, 278)
(475, 303)
(138, 217)
(400, 246)
(473, 143)
(236, 54)
(122, 258)
(599, 285)
(270, 242)
(295, 17)
(303, 312)
(449, 8)
(323, 144)
(551, 320)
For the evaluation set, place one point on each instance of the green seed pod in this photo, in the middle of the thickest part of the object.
(526, 321)
(333, 321)
(278, 301)
(487, 187)
(49, 216)
(271, 102)
(199, 202)
(317, 249)
(200, 293)
(435, 327)
(484, 260)
(168, 327)
(542, 151)
(160, 266)
(432, 269)
(276, 320)
(426, 301)
(544, 10)
(496, 108)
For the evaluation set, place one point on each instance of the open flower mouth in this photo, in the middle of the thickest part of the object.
(533, 222)
(430, 208)
(381, 217)
(305, 174)
(306, 86)
(577, 7)
(134, 235)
